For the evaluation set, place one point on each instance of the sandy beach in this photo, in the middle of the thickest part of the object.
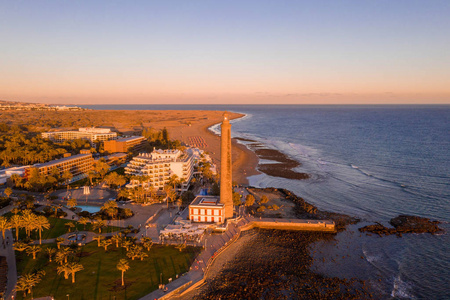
(245, 161)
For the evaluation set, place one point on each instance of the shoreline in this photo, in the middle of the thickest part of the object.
(244, 160)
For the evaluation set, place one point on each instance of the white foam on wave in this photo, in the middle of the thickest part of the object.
(401, 289)
(216, 127)
(371, 258)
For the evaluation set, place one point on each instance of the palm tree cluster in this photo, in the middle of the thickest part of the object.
(70, 269)
(114, 179)
(27, 220)
(136, 251)
(27, 281)
(142, 193)
(23, 149)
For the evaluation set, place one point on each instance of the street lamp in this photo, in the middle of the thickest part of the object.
(68, 296)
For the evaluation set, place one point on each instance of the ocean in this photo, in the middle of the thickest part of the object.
(372, 162)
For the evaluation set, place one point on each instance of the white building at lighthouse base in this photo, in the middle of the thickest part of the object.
(207, 209)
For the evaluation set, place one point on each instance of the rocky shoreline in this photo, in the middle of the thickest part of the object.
(283, 166)
(282, 270)
(404, 224)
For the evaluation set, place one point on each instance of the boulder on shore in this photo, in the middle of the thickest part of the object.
(404, 224)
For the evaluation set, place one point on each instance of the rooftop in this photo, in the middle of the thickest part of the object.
(58, 161)
(207, 201)
(131, 138)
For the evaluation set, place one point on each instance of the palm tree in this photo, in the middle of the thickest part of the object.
(91, 175)
(4, 225)
(98, 238)
(117, 238)
(20, 246)
(22, 285)
(71, 202)
(70, 225)
(135, 251)
(67, 176)
(50, 253)
(170, 194)
(8, 192)
(127, 244)
(123, 266)
(141, 255)
(70, 269)
(16, 222)
(35, 249)
(105, 244)
(59, 241)
(83, 221)
(109, 204)
(28, 219)
(147, 243)
(62, 255)
(181, 247)
(63, 269)
(123, 193)
(99, 224)
(27, 281)
(41, 222)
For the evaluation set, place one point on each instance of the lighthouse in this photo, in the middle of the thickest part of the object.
(226, 189)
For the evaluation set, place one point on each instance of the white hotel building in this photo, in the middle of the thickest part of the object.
(160, 166)
(91, 134)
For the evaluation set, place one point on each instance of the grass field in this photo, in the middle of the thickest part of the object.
(100, 279)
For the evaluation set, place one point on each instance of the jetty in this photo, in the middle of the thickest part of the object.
(290, 224)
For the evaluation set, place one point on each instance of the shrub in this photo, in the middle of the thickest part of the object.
(262, 208)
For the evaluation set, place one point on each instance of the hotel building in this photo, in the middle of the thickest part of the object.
(90, 134)
(78, 165)
(124, 144)
(160, 166)
(207, 209)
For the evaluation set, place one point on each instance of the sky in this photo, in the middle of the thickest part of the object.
(225, 52)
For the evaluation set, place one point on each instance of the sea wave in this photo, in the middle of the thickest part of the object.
(401, 289)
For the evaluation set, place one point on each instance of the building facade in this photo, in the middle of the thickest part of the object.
(90, 134)
(78, 165)
(207, 209)
(124, 144)
(159, 166)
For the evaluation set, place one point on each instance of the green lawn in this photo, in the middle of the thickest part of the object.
(100, 279)
(58, 228)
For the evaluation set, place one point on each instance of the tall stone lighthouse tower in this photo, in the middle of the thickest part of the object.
(226, 189)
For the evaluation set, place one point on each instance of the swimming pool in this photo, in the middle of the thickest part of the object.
(89, 208)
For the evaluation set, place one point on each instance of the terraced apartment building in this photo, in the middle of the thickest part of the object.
(160, 166)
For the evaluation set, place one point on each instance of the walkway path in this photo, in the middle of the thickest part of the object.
(6, 209)
(8, 252)
(215, 243)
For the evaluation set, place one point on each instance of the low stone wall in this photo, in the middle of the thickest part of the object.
(292, 224)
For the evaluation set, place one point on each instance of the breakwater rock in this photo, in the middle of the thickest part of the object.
(404, 224)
